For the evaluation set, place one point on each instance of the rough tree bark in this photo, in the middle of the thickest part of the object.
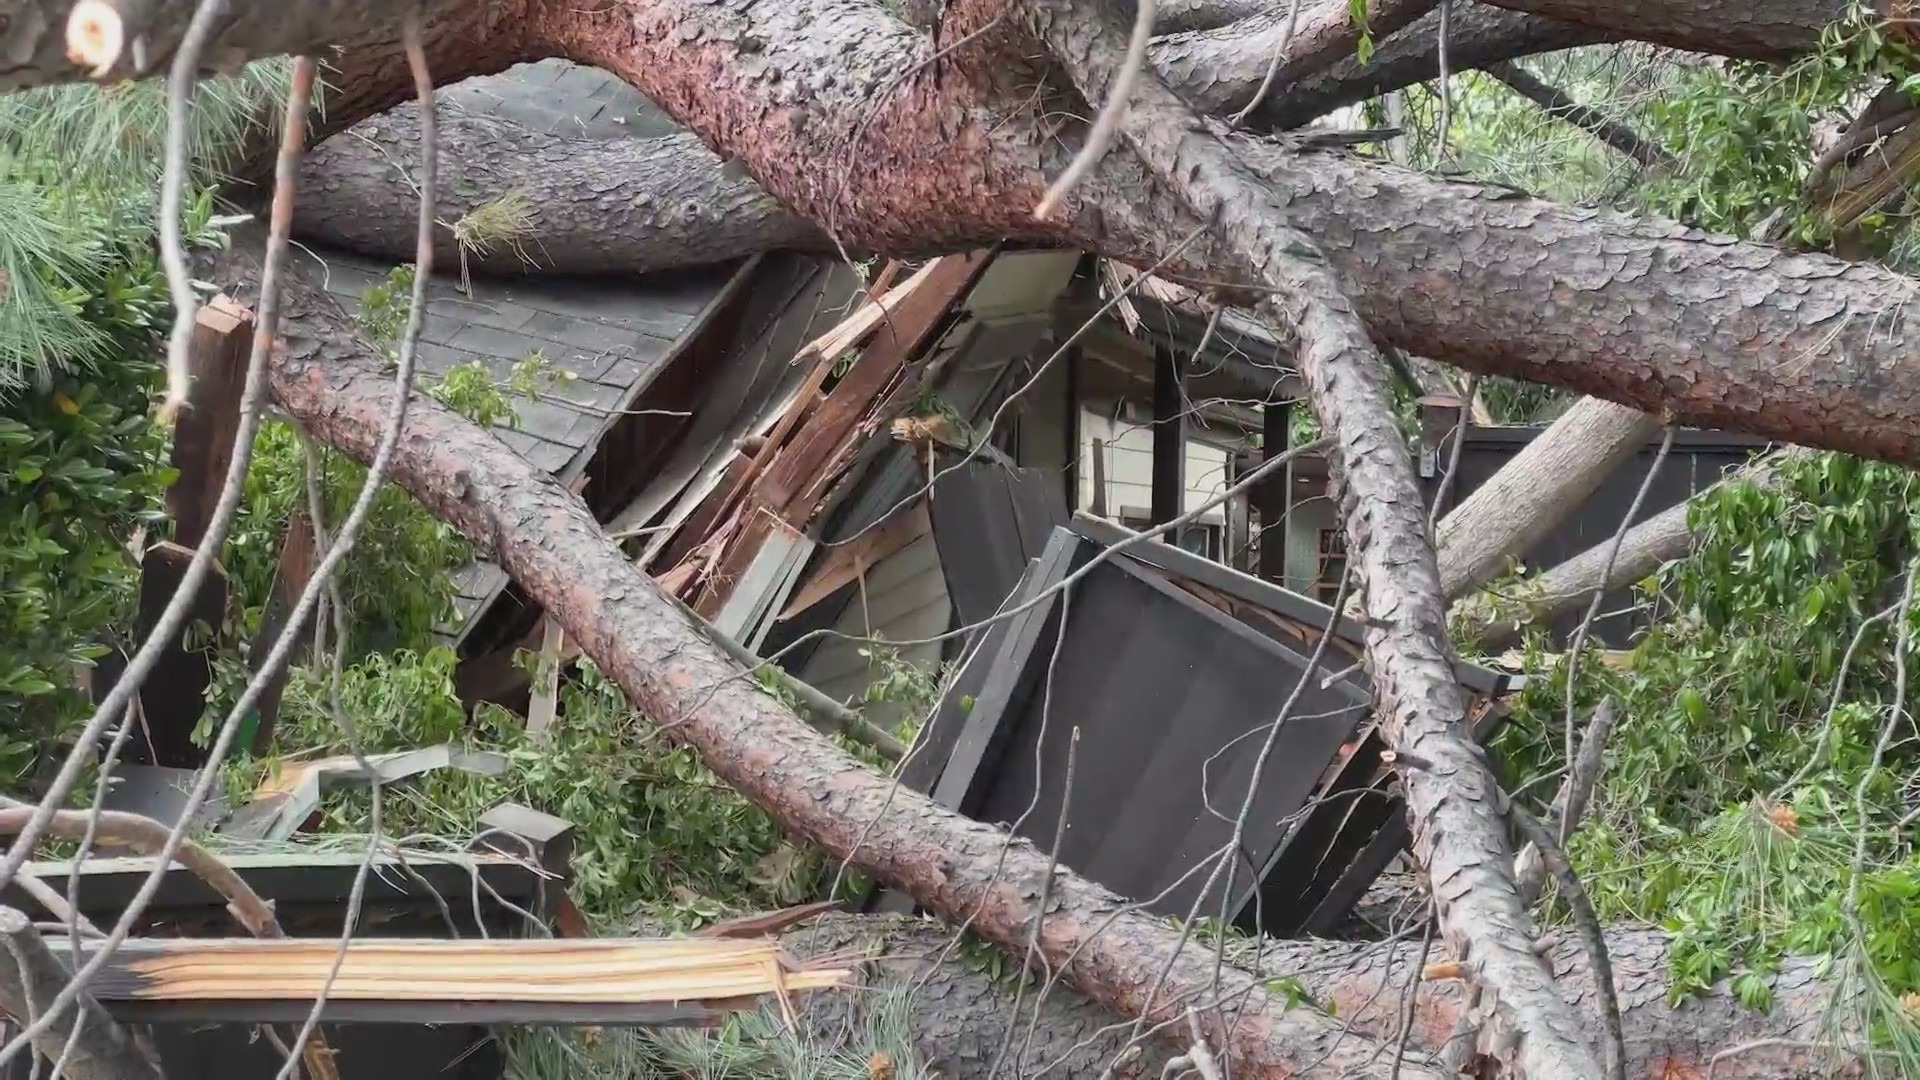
(1715, 332)
(1457, 832)
(959, 1014)
(1751, 29)
(1492, 622)
(1535, 491)
(1221, 69)
(627, 206)
(1479, 34)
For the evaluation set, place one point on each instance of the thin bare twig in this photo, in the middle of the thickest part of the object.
(1448, 478)
(1606, 580)
(1279, 57)
(1410, 995)
(1040, 909)
(1896, 712)
(181, 78)
(376, 473)
(1107, 124)
(1570, 804)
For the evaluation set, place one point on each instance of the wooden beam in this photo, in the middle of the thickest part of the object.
(174, 695)
(298, 557)
(639, 981)
(1169, 436)
(1275, 494)
(803, 472)
(30, 976)
(203, 437)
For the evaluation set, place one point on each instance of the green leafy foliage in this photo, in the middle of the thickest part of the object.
(80, 472)
(397, 583)
(1727, 813)
(655, 829)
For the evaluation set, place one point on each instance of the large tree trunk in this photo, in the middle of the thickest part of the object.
(626, 206)
(1492, 622)
(1535, 491)
(1802, 348)
(959, 1014)
(961, 869)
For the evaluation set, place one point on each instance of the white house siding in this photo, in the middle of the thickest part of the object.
(1129, 466)
(905, 599)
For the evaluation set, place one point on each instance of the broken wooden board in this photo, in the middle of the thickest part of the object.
(607, 981)
(286, 799)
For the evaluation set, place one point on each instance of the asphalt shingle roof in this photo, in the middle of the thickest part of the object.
(612, 335)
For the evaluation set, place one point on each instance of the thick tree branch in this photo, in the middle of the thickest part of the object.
(627, 206)
(1453, 808)
(1219, 70)
(547, 540)
(1175, 16)
(1712, 332)
(1536, 490)
(1752, 29)
(959, 1014)
(1478, 34)
(1492, 622)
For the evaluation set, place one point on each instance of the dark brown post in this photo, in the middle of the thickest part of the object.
(1169, 438)
(298, 557)
(1273, 493)
(203, 437)
(174, 695)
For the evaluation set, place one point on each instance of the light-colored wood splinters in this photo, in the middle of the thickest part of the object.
(607, 970)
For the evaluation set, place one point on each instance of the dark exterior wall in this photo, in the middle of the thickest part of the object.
(1698, 460)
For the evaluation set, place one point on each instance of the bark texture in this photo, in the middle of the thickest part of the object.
(1718, 333)
(1494, 622)
(1221, 69)
(963, 870)
(1479, 34)
(1364, 981)
(33, 33)
(622, 206)
(1753, 29)
(1458, 834)
(1535, 491)
(960, 1014)
(1713, 331)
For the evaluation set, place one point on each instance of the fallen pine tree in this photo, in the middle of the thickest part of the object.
(1337, 242)
(960, 1014)
(964, 871)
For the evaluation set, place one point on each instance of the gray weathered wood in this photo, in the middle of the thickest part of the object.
(30, 976)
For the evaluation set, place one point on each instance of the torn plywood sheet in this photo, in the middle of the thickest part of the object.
(631, 981)
(284, 802)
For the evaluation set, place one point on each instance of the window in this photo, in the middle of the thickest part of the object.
(1202, 540)
(1332, 564)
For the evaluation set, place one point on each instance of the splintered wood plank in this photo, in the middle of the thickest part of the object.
(603, 981)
